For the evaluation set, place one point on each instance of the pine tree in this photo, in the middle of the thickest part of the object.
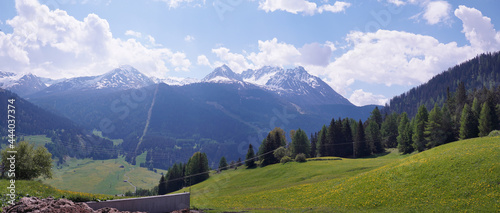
(434, 130)
(274, 140)
(249, 160)
(162, 186)
(376, 116)
(361, 149)
(468, 124)
(330, 138)
(420, 122)
(223, 164)
(448, 125)
(322, 142)
(476, 108)
(197, 164)
(404, 135)
(314, 139)
(485, 122)
(389, 131)
(347, 132)
(374, 138)
(300, 143)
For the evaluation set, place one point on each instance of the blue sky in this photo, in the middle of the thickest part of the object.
(368, 51)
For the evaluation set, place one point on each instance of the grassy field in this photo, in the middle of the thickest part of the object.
(38, 189)
(102, 176)
(37, 140)
(456, 177)
(116, 142)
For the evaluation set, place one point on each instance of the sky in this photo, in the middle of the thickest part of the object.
(368, 51)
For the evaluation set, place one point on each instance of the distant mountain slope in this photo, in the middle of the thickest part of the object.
(68, 139)
(122, 78)
(481, 71)
(21, 84)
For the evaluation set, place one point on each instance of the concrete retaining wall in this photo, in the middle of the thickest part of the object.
(153, 204)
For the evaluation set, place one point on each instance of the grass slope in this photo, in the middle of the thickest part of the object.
(460, 176)
(102, 176)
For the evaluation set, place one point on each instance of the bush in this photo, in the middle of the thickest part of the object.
(286, 159)
(494, 133)
(301, 157)
(30, 162)
(280, 153)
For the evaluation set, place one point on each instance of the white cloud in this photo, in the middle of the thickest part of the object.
(133, 33)
(55, 44)
(275, 53)
(436, 12)
(396, 2)
(337, 7)
(237, 62)
(203, 60)
(302, 6)
(478, 29)
(189, 38)
(362, 98)
(176, 3)
(393, 57)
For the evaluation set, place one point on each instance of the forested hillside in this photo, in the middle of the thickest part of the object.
(67, 138)
(481, 71)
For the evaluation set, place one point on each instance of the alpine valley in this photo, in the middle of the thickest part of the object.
(173, 118)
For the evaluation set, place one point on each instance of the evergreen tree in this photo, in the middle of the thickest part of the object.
(300, 143)
(347, 132)
(418, 132)
(434, 130)
(389, 131)
(461, 95)
(274, 140)
(376, 116)
(468, 124)
(197, 165)
(322, 142)
(361, 149)
(448, 126)
(174, 178)
(249, 160)
(330, 138)
(476, 108)
(314, 139)
(162, 186)
(223, 164)
(485, 122)
(404, 135)
(374, 137)
(339, 139)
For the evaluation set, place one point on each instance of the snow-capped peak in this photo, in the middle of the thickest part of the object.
(222, 74)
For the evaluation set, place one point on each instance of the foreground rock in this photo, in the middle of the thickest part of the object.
(50, 205)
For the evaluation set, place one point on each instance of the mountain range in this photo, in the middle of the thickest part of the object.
(219, 114)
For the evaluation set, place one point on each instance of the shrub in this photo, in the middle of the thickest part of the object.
(494, 133)
(286, 159)
(280, 153)
(301, 157)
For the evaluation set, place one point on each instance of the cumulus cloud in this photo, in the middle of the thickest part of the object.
(133, 33)
(302, 6)
(51, 43)
(362, 98)
(203, 60)
(433, 12)
(189, 38)
(393, 57)
(176, 3)
(478, 29)
(275, 53)
(436, 12)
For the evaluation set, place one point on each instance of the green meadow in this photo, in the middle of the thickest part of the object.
(457, 177)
